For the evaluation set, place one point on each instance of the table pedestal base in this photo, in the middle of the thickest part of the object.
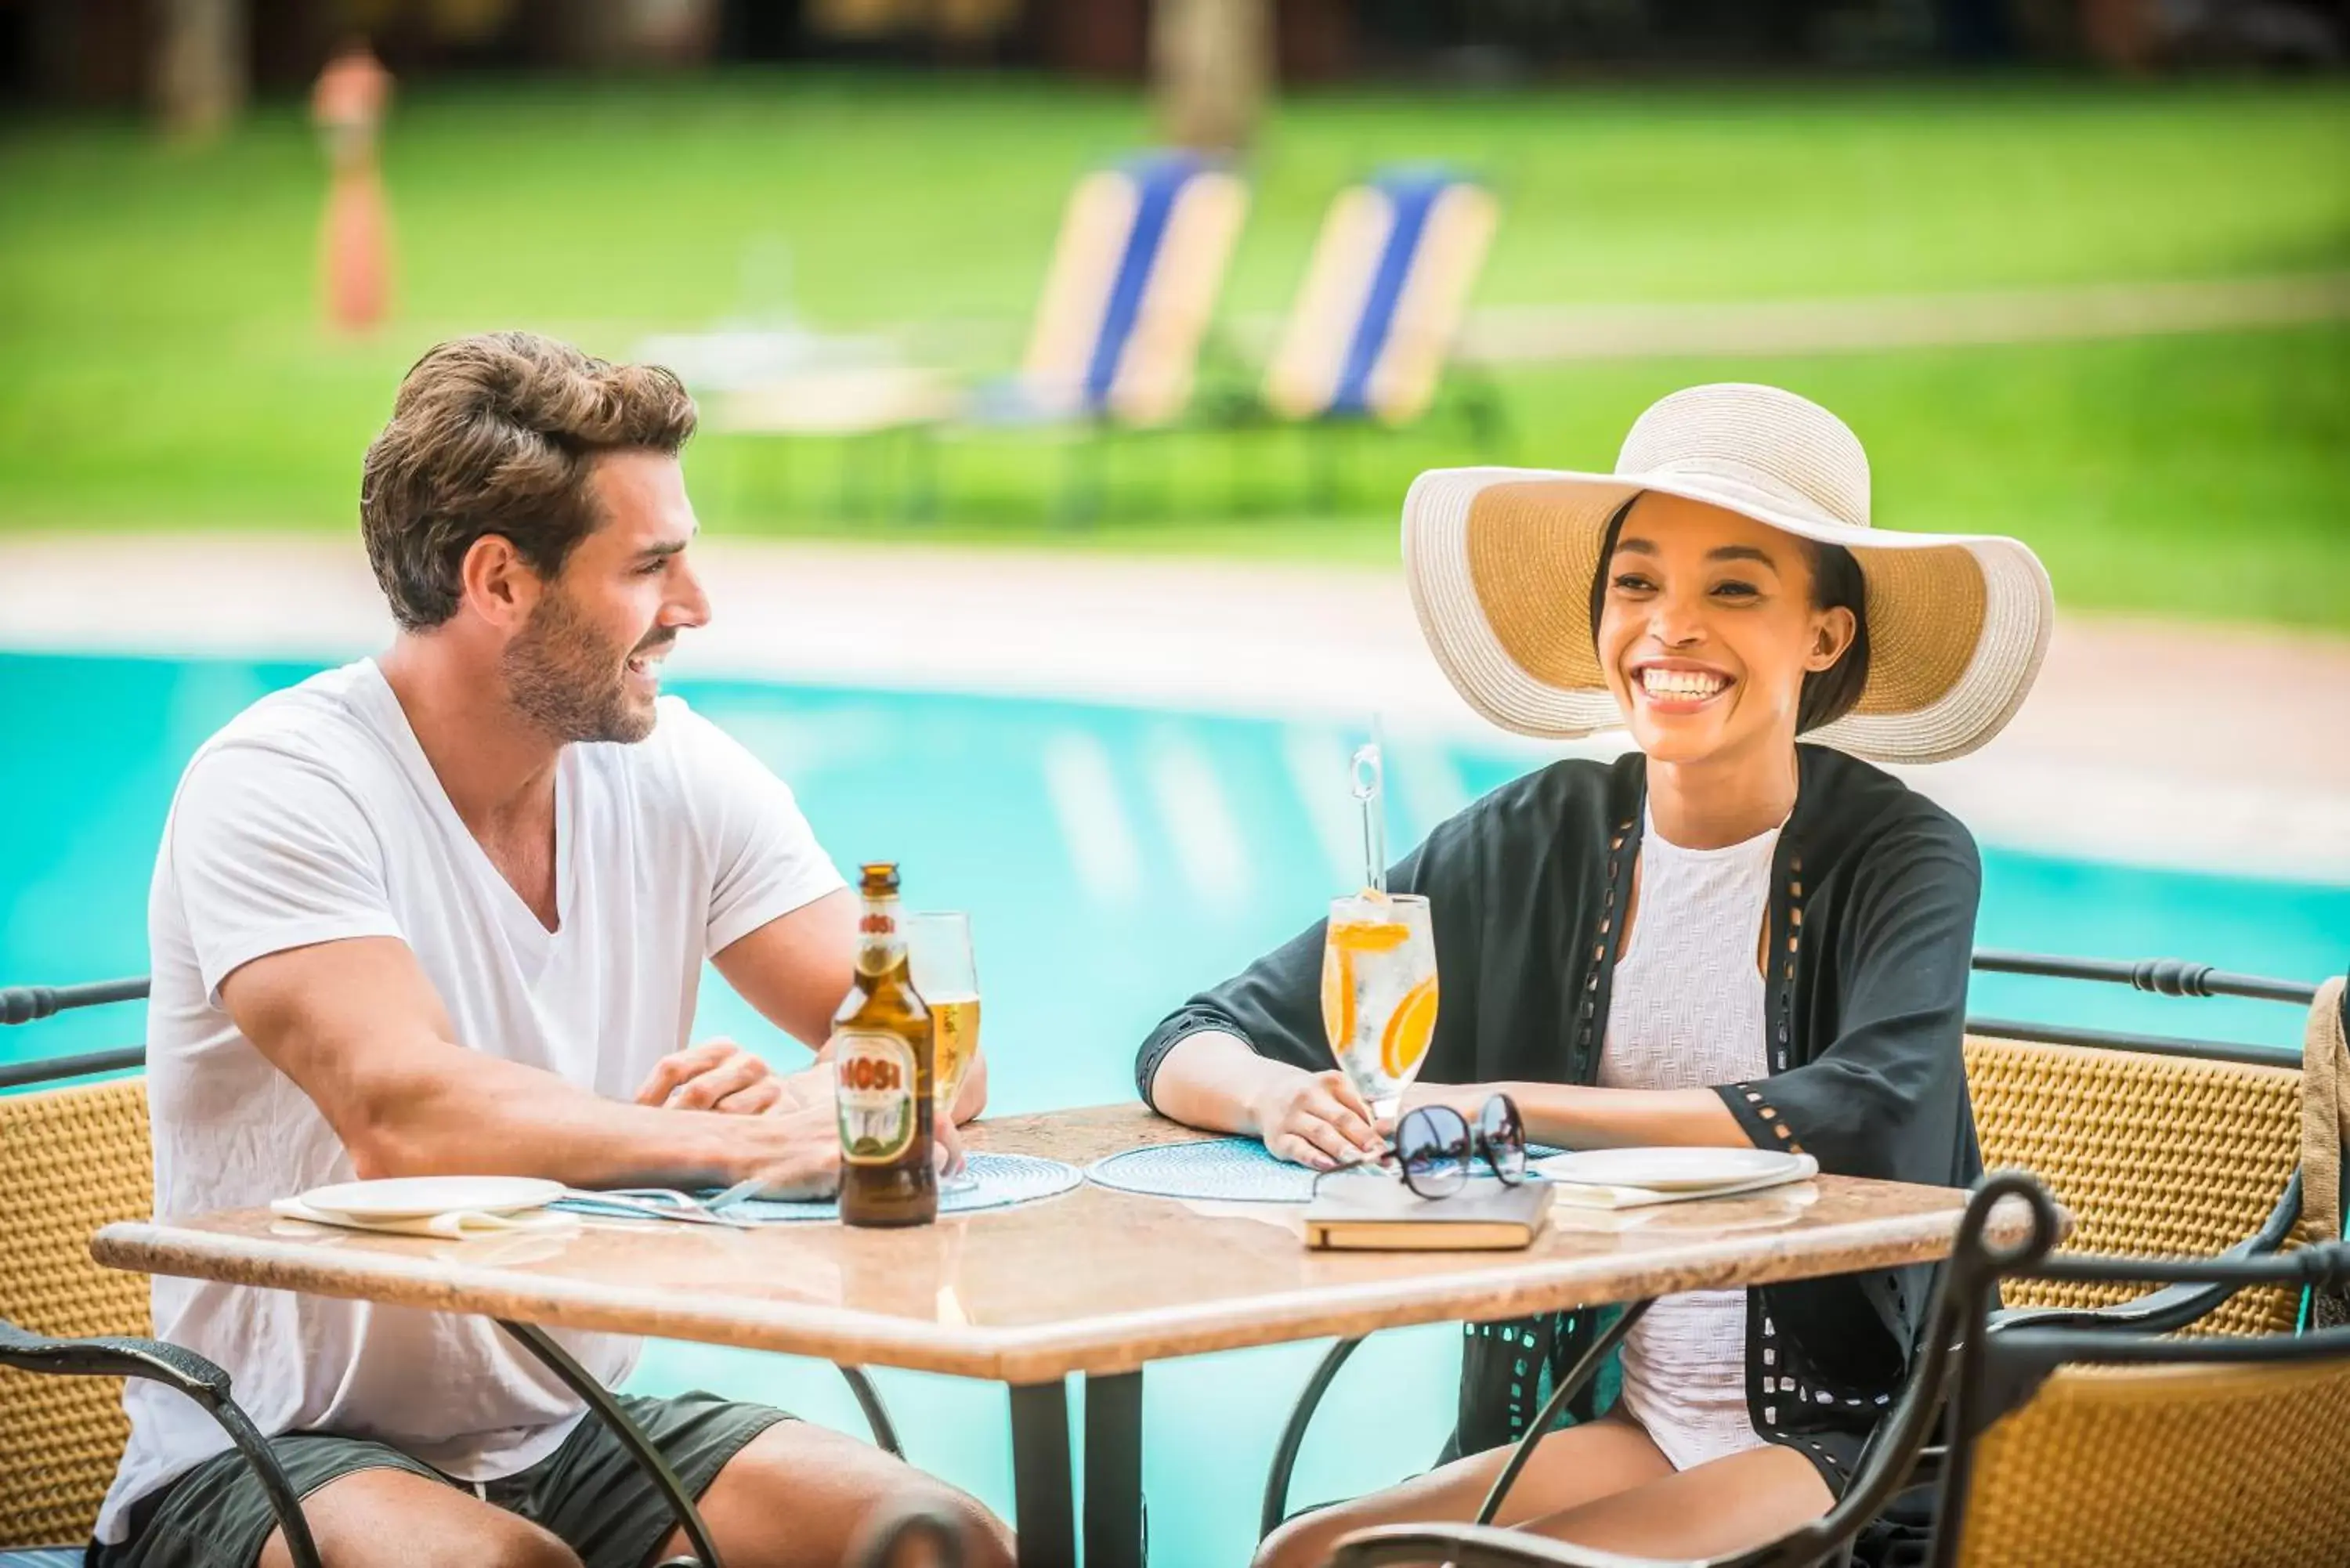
(1115, 1527)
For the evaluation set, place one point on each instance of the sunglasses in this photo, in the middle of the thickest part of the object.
(1436, 1146)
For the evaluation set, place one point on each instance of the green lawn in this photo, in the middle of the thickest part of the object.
(163, 369)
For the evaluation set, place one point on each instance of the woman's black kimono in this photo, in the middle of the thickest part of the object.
(1871, 926)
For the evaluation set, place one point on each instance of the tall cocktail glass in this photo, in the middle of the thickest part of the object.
(1379, 991)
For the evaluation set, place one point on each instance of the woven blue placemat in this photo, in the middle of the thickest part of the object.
(1000, 1181)
(1233, 1169)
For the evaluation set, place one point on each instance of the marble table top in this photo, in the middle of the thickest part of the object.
(1094, 1281)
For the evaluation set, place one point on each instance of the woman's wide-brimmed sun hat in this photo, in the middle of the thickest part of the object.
(1501, 561)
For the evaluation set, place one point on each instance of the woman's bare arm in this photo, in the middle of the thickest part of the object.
(1214, 1080)
(1577, 1116)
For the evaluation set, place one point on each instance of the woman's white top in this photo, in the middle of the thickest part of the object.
(1686, 1012)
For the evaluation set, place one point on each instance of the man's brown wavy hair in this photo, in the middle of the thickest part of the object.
(494, 434)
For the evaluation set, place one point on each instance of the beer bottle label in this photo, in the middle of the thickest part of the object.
(875, 1095)
(881, 942)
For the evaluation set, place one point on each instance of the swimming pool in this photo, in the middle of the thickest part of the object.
(1114, 859)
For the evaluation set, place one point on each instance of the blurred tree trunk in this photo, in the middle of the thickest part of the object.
(200, 77)
(2122, 33)
(607, 34)
(1106, 39)
(1211, 68)
(53, 49)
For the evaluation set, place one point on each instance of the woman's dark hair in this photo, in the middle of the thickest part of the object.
(1836, 583)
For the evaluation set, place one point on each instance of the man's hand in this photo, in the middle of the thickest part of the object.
(946, 1147)
(715, 1075)
(808, 1086)
(812, 1089)
(1315, 1119)
(809, 1165)
(971, 1097)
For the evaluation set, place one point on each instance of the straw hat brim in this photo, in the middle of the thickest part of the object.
(1499, 563)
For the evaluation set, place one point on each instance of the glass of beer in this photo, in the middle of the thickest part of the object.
(946, 976)
(1378, 991)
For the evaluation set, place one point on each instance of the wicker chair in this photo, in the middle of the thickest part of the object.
(72, 1159)
(2233, 1443)
(2155, 1145)
(75, 1158)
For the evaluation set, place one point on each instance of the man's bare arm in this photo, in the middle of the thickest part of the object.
(797, 968)
(358, 1027)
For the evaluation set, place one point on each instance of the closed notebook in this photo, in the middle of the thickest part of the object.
(1370, 1214)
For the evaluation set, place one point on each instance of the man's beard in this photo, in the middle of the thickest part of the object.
(569, 681)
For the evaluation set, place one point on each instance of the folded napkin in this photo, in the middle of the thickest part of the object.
(1592, 1195)
(453, 1225)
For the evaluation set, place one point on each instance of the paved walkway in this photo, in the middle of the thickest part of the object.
(1501, 333)
(1547, 334)
(2153, 744)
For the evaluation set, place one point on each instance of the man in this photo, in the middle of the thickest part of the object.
(444, 911)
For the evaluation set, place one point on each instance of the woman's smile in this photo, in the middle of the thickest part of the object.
(1707, 625)
(1675, 686)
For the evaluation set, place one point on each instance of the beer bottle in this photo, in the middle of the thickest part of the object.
(882, 1056)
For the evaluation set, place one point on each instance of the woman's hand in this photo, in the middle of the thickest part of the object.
(1315, 1119)
(715, 1075)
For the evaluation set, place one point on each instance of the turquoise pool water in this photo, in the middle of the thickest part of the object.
(1113, 860)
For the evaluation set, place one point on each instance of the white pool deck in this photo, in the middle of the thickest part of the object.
(2147, 744)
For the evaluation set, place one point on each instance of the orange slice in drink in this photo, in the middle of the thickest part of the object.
(1338, 996)
(1410, 1029)
(1370, 935)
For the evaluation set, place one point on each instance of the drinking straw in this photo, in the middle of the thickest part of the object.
(1370, 786)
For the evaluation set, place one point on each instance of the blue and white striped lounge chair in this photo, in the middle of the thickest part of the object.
(1373, 326)
(1140, 260)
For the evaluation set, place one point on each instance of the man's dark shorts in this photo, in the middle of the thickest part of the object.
(588, 1493)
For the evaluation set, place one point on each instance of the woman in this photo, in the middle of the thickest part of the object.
(1723, 939)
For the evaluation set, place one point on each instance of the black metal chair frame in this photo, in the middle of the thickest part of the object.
(208, 1384)
(2162, 1311)
(188, 1374)
(1980, 1363)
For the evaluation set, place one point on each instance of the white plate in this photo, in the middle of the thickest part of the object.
(419, 1197)
(1669, 1169)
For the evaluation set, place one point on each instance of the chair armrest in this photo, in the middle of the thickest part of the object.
(111, 1355)
(905, 1534)
(179, 1368)
(2165, 1310)
(1474, 1546)
(2173, 1307)
(1484, 1546)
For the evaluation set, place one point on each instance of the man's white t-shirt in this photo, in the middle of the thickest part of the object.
(314, 816)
